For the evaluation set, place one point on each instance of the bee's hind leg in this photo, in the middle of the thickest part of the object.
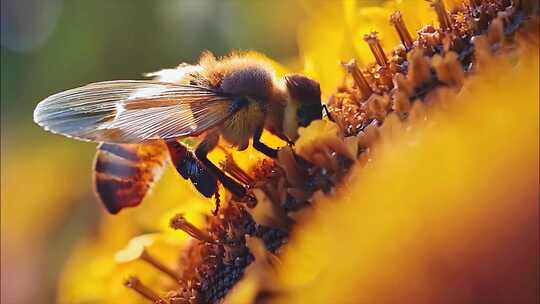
(192, 169)
(202, 150)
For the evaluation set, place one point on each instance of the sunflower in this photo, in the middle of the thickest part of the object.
(421, 186)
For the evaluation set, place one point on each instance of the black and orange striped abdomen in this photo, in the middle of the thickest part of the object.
(123, 173)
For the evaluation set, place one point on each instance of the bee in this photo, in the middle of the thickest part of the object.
(139, 123)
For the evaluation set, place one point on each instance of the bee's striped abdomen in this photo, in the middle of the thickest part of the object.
(123, 173)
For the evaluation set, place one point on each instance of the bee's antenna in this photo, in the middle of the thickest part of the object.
(325, 109)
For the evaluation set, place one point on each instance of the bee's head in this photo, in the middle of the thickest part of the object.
(305, 104)
(306, 93)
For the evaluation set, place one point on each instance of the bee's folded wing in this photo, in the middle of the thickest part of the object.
(129, 111)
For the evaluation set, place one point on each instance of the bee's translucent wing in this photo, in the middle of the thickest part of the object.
(129, 111)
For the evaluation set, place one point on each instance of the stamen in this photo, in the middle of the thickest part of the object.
(419, 68)
(518, 4)
(474, 3)
(444, 19)
(397, 20)
(180, 222)
(448, 69)
(135, 284)
(231, 167)
(145, 256)
(376, 48)
(496, 32)
(359, 79)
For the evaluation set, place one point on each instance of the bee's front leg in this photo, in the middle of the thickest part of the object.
(261, 147)
(201, 152)
(330, 117)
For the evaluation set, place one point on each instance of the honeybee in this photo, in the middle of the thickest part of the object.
(139, 123)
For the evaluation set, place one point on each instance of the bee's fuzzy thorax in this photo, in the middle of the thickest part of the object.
(253, 81)
(239, 73)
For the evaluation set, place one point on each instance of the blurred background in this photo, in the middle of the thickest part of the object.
(48, 46)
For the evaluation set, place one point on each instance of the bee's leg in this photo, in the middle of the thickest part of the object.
(202, 150)
(190, 168)
(325, 108)
(261, 147)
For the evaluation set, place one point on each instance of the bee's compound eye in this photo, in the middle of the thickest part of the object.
(308, 113)
(303, 89)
